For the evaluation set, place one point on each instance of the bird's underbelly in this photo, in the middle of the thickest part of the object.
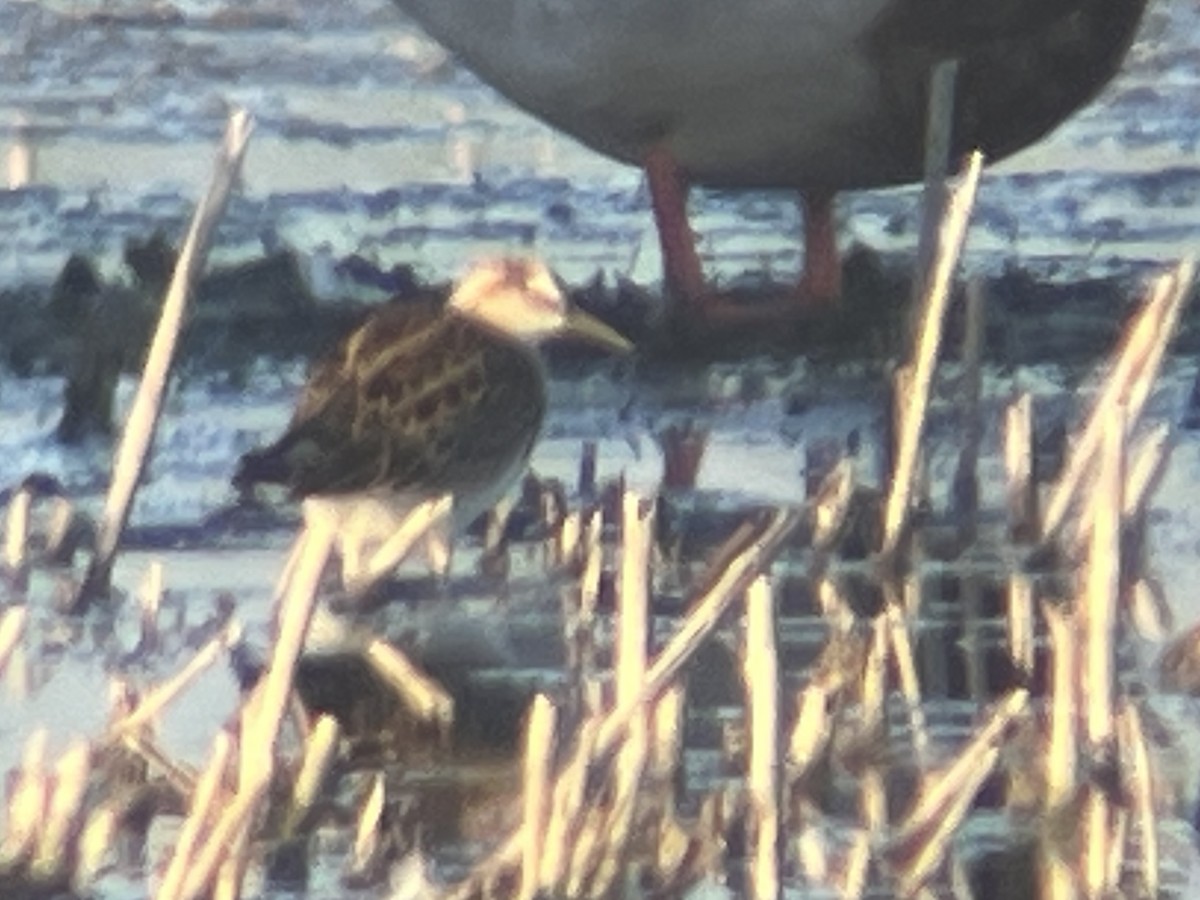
(803, 104)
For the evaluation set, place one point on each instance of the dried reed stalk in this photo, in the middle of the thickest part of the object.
(1020, 622)
(910, 687)
(1020, 487)
(1140, 785)
(320, 750)
(540, 741)
(64, 813)
(744, 556)
(138, 433)
(424, 696)
(12, 628)
(161, 697)
(209, 793)
(16, 531)
(762, 775)
(1061, 776)
(1129, 381)
(935, 296)
(1097, 610)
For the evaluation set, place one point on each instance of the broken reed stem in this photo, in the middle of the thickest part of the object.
(424, 521)
(320, 750)
(425, 697)
(1097, 841)
(872, 791)
(1020, 487)
(935, 297)
(162, 696)
(830, 505)
(743, 557)
(934, 848)
(16, 530)
(205, 799)
(1149, 459)
(751, 559)
(762, 686)
(1140, 775)
(63, 812)
(365, 852)
(1061, 756)
(137, 436)
(1020, 622)
(633, 629)
(12, 628)
(1137, 361)
(967, 771)
(910, 686)
(1098, 611)
(537, 802)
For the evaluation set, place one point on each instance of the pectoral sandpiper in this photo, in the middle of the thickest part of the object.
(814, 95)
(424, 409)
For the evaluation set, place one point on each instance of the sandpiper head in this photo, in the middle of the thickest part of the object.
(520, 297)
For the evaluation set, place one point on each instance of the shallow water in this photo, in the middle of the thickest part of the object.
(368, 141)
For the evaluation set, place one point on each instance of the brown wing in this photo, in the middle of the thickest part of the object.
(412, 398)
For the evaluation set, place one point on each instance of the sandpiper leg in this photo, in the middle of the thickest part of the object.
(821, 280)
(668, 197)
(696, 304)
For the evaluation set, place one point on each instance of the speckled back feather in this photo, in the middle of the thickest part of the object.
(415, 397)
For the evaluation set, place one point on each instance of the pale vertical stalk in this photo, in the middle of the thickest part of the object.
(906, 667)
(569, 795)
(138, 433)
(26, 802)
(934, 844)
(1020, 621)
(1060, 759)
(63, 811)
(1133, 740)
(935, 298)
(744, 556)
(1020, 488)
(857, 868)
(366, 848)
(1058, 879)
(150, 601)
(762, 684)
(536, 803)
(667, 746)
(1141, 353)
(633, 617)
(320, 750)
(16, 530)
(569, 536)
(1096, 843)
(204, 803)
(12, 627)
(1102, 584)
(874, 721)
(263, 712)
